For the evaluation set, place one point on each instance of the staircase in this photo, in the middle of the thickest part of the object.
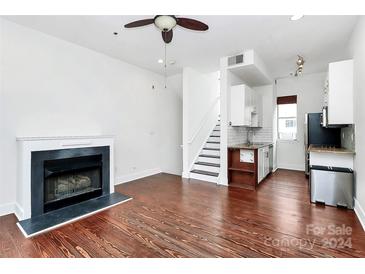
(207, 165)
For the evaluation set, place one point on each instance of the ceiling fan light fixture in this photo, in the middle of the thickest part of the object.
(165, 22)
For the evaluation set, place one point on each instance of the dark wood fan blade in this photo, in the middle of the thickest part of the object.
(139, 23)
(167, 36)
(192, 24)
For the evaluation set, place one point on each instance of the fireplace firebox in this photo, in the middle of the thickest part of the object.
(69, 176)
(68, 181)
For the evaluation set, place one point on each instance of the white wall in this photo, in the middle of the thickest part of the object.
(357, 52)
(200, 111)
(170, 117)
(52, 87)
(308, 88)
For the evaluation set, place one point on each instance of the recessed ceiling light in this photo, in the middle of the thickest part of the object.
(296, 17)
(160, 61)
(172, 62)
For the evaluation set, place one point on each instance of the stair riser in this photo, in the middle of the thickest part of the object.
(214, 139)
(209, 160)
(203, 177)
(207, 168)
(212, 145)
(210, 152)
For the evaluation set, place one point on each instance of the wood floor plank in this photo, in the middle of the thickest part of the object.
(174, 217)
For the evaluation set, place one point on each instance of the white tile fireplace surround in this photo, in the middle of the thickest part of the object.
(27, 145)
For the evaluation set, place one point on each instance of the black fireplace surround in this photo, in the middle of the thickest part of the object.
(64, 177)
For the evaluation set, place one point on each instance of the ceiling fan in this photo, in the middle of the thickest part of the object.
(167, 22)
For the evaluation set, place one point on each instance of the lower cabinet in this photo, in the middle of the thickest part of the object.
(242, 166)
(248, 167)
(263, 166)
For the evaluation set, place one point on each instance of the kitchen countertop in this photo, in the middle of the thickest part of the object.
(251, 146)
(319, 148)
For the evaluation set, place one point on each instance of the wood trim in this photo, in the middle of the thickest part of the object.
(241, 174)
(282, 100)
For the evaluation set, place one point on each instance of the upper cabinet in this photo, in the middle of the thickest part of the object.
(338, 93)
(246, 107)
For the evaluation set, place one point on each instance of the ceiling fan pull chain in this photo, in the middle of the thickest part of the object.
(165, 65)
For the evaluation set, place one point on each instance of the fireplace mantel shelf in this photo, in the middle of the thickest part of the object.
(42, 138)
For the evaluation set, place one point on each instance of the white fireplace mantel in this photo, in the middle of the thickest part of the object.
(26, 145)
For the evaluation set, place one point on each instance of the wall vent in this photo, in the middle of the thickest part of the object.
(235, 60)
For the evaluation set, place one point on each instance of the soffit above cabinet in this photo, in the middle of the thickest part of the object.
(250, 69)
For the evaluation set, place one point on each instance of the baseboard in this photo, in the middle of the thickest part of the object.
(137, 175)
(18, 211)
(185, 175)
(6, 209)
(360, 213)
(171, 172)
(291, 167)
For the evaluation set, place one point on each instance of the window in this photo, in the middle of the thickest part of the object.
(287, 117)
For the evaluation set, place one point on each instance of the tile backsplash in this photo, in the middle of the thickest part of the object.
(238, 135)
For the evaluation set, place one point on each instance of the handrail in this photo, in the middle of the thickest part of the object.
(204, 120)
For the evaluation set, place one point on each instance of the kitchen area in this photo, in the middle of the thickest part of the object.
(326, 137)
(330, 140)
(250, 146)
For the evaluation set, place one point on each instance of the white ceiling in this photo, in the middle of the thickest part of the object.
(320, 39)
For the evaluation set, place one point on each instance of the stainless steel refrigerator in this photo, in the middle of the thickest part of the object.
(315, 134)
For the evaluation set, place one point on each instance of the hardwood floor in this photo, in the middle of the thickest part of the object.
(170, 217)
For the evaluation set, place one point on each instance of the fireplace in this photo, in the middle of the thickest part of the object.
(60, 178)
(72, 180)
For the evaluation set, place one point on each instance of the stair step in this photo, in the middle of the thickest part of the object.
(203, 172)
(216, 130)
(211, 148)
(207, 164)
(213, 142)
(209, 156)
(214, 136)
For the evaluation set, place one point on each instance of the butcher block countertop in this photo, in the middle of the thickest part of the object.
(319, 148)
(252, 146)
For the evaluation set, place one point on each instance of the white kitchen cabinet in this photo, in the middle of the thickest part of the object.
(260, 164)
(266, 161)
(263, 164)
(340, 93)
(246, 107)
(256, 115)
